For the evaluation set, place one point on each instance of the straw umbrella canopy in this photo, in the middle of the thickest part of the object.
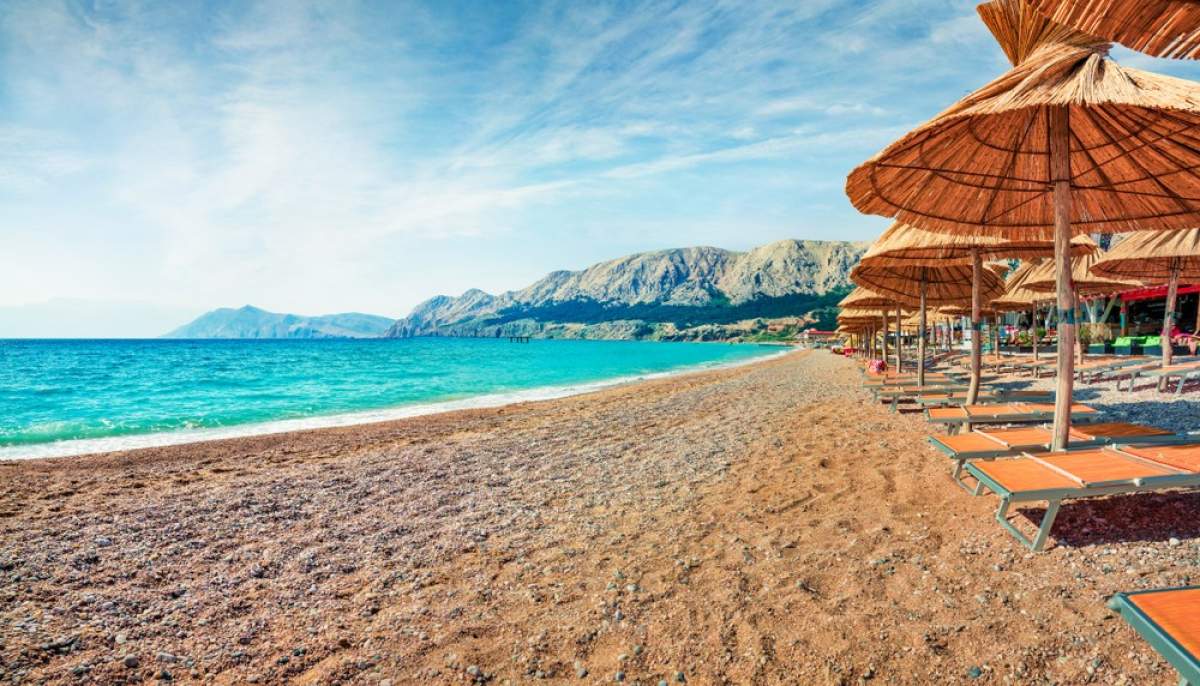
(1042, 278)
(1067, 142)
(863, 298)
(999, 268)
(1016, 296)
(1163, 28)
(1156, 258)
(965, 311)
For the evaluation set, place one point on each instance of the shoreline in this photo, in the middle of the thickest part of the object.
(110, 444)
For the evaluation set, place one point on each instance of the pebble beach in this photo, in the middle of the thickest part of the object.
(764, 524)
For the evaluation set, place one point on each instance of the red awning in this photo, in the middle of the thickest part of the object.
(1159, 293)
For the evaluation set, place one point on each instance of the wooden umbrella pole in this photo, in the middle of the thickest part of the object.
(1060, 173)
(1035, 333)
(1079, 340)
(1169, 313)
(899, 342)
(976, 330)
(921, 336)
(885, 335)
(996, 336)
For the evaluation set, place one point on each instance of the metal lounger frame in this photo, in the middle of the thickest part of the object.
(1055, 496)
(997, 398)
(956, 424)
(1164, 378)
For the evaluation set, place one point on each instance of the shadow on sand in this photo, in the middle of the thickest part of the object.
(1134, 518)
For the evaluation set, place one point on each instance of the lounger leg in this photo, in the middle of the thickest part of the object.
(957, 475)
(1039, 541)
(1044, 530)
(1179, 388)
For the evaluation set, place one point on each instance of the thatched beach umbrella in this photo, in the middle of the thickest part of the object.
(920, 284)
(859, 321)
(1018, 298)
(1067, 142)
(1156, 258)
(906, 246)
(864, 298)
(1163, 28)
(1043, 279)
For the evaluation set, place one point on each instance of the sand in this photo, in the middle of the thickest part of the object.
(759, 525)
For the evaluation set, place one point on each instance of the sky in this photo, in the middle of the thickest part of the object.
(161, 159)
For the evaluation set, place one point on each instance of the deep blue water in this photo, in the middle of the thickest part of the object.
(66, 390)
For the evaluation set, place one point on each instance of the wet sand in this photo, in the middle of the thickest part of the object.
(758, 525)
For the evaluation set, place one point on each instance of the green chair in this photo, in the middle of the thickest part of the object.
(1127, 345)
(1152, 346)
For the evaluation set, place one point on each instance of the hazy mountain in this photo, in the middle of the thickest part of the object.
(679, 293)
(252, 322)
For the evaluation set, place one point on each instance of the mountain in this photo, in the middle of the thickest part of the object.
(685, 293)
(252, 322)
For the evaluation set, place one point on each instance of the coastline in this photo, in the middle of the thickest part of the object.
(109, 444)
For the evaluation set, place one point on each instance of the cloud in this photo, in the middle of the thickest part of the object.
(33, 159)
(275, 151)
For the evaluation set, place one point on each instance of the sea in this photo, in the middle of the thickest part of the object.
(70, 397)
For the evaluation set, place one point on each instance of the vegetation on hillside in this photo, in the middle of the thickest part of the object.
(718, 311)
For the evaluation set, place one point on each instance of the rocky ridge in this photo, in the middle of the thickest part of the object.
(696, 292)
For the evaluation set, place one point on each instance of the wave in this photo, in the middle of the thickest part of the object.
(86, 446)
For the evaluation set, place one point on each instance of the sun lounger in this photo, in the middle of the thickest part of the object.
(1006, 413)
(989, 444)
(900, 391)
(1169, 620)
(1036, 367)
(943, 399)
(1096, 369)
(1164, 375)
(1110, 470)
(875, 384)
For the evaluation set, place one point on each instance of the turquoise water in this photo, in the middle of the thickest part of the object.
(97, 392)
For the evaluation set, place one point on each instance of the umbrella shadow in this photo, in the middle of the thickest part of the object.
(1133, 518)
(1180, 416)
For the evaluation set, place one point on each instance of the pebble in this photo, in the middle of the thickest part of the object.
(619, 676)
(1173, 542)
(680, 678)
(974, 672)
(130, 661)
